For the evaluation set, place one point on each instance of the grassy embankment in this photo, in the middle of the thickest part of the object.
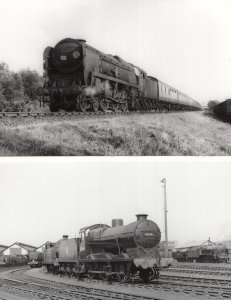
(190, 133)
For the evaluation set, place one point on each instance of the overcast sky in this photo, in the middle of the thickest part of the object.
(185, 43)
(43, 200)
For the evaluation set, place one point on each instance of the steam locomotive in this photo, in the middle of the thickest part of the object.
(120, 252)
(204, 253)
(79, 77)
(35, 259)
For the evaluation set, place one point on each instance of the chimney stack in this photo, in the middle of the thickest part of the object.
(141, 217)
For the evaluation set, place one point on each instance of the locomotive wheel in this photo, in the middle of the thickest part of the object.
(114, 107)
(82, 107)
(80, 103)
(53, 107)
(148, 275)
(68, 107)
(68, 103)
(103, 106)
(123, 278)
(124, 106)
(90, 276)
(53, 103)
(103, 277)
(95, 106)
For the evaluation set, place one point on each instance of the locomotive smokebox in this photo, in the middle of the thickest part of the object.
(65, 237)
(141, 217)
(117, 223)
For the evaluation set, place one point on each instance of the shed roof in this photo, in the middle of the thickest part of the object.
(22, 245)
(195, 244)
(44, 244)
(3, 247)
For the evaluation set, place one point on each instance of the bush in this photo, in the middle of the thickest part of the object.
(31, 82)
(212, 103)
(18, 90)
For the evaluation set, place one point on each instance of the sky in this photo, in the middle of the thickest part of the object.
(185, 43)
(42, 200)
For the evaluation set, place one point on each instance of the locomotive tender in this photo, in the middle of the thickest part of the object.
(119, 252)
(79, 77)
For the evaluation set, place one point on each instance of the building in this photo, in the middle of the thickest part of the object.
(17, 249)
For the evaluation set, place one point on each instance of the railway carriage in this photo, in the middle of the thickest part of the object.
(79, 77)
(223, 109)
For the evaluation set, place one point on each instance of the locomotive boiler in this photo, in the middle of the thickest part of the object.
(79, 77)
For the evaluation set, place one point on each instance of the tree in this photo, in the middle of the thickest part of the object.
(31, 82)
(212, 103)
(18, 89)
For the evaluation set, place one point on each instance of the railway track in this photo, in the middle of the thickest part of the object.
(54, 291)
(55, 114)
(177, 286)
(75, 113)
(201, 266)
(212, 272)
(169, 285)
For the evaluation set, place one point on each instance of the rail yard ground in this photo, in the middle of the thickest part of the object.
(184, 281)
(154, 134)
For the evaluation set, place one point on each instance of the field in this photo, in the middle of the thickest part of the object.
(154, 134)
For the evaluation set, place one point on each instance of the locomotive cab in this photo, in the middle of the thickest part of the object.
(85, 236)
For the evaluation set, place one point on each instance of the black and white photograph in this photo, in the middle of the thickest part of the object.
(115, 77)
(115, 230)
(115, 144)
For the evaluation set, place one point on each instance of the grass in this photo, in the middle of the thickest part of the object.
(190, 133)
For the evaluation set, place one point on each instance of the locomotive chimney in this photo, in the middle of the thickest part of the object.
(116, 223)
(65, 237)
(141, 217)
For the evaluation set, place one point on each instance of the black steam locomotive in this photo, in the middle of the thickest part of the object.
(79, 77)
(120, 252)
(35, 259)
(202, 254)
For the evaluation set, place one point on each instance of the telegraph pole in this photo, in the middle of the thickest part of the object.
(165, 216)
